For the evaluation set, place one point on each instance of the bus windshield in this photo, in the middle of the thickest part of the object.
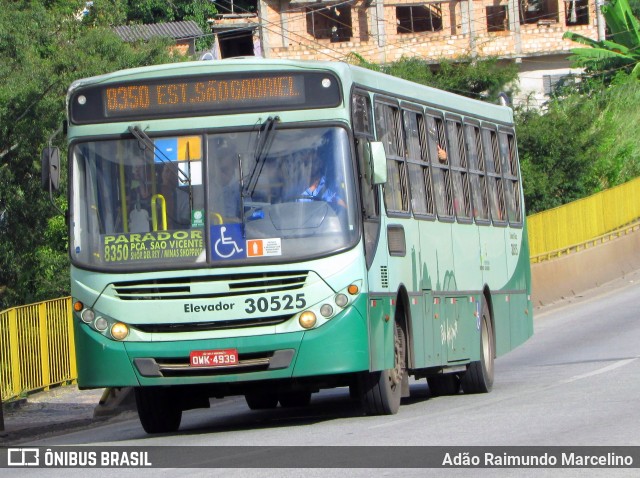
(232, 197)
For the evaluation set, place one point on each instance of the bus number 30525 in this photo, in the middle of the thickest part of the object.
(276, 303)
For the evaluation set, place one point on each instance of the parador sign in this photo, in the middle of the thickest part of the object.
(152, 245)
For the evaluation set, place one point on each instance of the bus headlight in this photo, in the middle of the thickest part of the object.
(326, 310)
(87, 316)
(119, 331)
(341, 300)
(101, 324)
(307, 319)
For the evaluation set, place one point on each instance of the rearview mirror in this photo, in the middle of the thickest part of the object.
(378, 159)
(50, 178)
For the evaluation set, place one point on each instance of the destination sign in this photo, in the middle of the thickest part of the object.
(204, 95)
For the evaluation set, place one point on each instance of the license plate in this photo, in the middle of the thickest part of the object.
(213, 358)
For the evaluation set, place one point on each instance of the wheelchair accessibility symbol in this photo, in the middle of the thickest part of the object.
(227, 241)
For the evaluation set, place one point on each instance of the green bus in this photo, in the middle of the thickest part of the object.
(271, 228)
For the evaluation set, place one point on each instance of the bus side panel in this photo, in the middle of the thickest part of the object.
(421, 338)
(521, 310)
(380, 333)
(502, 322)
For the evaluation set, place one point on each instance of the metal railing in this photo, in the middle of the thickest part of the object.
(576, 225)
(36, 347)
(36, 341)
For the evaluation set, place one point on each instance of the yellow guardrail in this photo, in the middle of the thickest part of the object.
(565, 228)
(36, 341)
(36, 347)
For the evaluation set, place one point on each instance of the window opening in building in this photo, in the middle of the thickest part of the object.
(419, 18)
(237, 7)
(538, 11)
(330, 23)
(236, 43)
(577, 12)
(497, 20)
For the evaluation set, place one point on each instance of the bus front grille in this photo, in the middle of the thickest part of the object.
(207, 326)
(209, 287)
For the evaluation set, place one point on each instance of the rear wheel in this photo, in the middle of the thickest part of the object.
(261, 401)
(479, 375)
(158, 409)
(382, 391)
(295, 399)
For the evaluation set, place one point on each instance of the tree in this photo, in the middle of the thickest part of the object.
(43, 48)
(580, 144)
(621, 49)
(480, 79)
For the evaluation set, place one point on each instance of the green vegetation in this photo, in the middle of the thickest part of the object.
(43, 49)
(620, 50)
(481, 79)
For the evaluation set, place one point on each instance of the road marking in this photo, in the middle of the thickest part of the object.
(608, 368)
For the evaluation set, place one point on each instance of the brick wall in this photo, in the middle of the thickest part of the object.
(377, 31)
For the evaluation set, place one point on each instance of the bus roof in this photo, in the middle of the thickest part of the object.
(350, 75)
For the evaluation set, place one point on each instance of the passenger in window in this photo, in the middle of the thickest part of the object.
(441, 152)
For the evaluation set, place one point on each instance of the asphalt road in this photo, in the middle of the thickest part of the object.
(574, 383)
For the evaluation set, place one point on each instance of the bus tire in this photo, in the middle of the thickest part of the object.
(479, 375)
(445, 384)
(382, 391)
(261, 400)
(295, 399)
(159, 409)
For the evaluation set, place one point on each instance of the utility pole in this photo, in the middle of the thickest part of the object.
(600, 21)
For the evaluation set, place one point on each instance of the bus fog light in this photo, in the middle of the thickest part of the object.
(101, 324)
(341, 300)
(307, 319)
(326, 310)
(87, 316)
(119, 331)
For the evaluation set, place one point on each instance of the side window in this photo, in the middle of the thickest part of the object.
(509, 155)
(361, 108)
(494, 176)
(477, 176)
(439, 159)
(363, 130)
(388, 128)
(418, 164)
(459, 174)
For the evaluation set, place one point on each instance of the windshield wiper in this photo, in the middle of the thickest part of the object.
(263, 144)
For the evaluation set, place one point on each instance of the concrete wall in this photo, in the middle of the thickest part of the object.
(580, 271)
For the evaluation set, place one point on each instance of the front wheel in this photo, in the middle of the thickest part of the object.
(479, 375)
(158, 409)
(381, 391)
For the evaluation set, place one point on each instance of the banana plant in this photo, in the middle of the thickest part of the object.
(620, 49)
